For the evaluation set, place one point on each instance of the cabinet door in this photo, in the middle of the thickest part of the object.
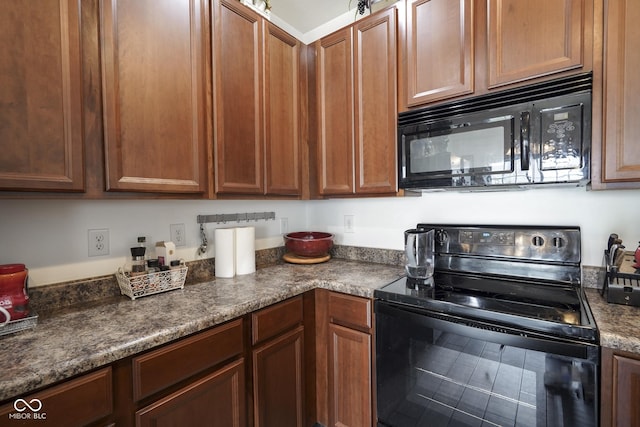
(282, 120)
(375, 111)
(217, 400)
(438, 50)
(621, 127)
(154, 73)
(40, 96)
(237, 64)
(79, 402)
(350, 398)
(625, 392)
(335, 113)
(533, 38)
(278, 372)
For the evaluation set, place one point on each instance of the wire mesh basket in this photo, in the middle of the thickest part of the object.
(151, 283)
(20, 324)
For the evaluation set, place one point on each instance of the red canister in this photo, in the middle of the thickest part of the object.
(13, 291)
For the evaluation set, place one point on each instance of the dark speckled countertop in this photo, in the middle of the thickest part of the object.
(71, 342)
(619, 325)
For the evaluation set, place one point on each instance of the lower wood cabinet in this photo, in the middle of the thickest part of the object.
(350, 366)
(278, 365)
(305, 360)
(83, 401)
(217, 400)
(339, 357)
(349, 377)
(620, 389)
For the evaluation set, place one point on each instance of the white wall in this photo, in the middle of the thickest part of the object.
(50, 236)
(380, 222)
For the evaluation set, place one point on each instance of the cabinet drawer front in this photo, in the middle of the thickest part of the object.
(349, 310)
(218, 399)
(276, 319)
(76, 402)
(173, 363)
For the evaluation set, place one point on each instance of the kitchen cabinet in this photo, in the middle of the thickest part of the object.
(41, 134)
(356, 108)
(616, 159)
(350, 367)
(154, 74)
(278, 364)
(83, 401)
(439, 50)
(257, 100)
(215, 400)
(204, 376)
(457, 48)
(620, 389)
(339, 359)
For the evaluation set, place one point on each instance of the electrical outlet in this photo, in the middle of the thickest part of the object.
(349, 226)
(99, 242)
(284, 225)
(178, 236)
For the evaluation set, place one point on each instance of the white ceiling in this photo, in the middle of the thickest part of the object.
(307, 15)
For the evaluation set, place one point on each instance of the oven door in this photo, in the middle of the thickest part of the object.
(439, 370)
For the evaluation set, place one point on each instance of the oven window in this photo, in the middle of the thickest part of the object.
(432, 377)
(469, 148)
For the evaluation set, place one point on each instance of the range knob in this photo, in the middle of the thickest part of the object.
(558, 242)
(441, 237)
(537, 241)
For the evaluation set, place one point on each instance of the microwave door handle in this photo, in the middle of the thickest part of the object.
(525, 129)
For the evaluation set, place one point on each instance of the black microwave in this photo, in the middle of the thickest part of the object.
(537, 134)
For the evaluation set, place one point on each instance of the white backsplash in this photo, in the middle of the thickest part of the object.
(51, 236)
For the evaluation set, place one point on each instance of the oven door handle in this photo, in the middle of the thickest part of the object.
(525, 134)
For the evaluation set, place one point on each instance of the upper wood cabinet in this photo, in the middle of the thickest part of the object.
(462, 47)
(154, 74)
(529, 39)
(238, 121)
(356, 108)
(617, 159)
(256, 78)
(41, 136)
(439, 50)
(282, 112)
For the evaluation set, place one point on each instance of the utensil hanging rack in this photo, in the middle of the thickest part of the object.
(225, 218)
(236, 217)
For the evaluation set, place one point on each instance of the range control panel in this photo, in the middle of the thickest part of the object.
(526, 243)
(487, 237)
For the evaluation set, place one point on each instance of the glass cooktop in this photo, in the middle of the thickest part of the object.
(553, 309)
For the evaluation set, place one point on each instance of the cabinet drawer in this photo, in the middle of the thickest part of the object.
(349, 310)
(77, 402)
(173, 363)
(276, 319)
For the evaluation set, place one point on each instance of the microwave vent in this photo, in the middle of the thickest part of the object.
(568, 85)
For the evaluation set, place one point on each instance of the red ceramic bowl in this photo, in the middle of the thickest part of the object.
(308, 243)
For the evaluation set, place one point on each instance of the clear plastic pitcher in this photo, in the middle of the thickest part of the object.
(418, 246)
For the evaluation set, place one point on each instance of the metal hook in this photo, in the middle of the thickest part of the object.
(203, 245)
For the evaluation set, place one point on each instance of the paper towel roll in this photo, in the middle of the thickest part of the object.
(245, 250)
(225, 250)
